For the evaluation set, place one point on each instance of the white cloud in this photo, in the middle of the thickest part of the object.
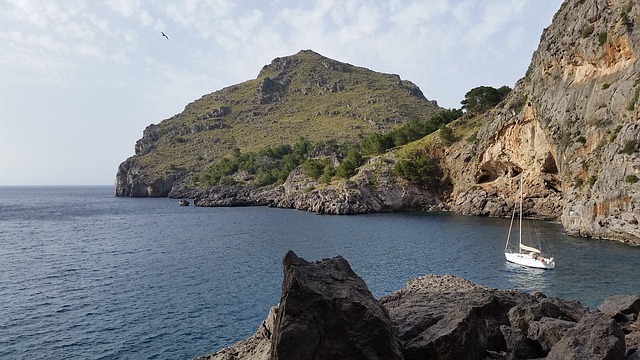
(124, 8)
(113, 49)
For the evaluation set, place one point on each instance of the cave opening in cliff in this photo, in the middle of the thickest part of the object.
(549, 166)
(492, 170)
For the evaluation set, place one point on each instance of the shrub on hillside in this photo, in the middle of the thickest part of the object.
(420, 169)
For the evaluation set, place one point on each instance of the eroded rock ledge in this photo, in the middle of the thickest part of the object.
(327, 312)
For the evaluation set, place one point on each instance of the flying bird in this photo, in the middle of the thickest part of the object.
(164, 35)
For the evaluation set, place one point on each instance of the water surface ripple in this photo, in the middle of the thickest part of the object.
(86, 275)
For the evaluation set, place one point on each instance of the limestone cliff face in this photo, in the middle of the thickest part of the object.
(132, 181)
(571, 127)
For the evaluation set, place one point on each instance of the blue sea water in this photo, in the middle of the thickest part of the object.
(86, 275)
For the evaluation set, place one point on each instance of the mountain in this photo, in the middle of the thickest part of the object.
(305, 95)
(570, 127)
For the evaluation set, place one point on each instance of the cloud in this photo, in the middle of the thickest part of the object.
(124, 8)
(104, 64)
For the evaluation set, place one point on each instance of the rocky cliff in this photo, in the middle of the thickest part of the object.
(327, 312)
(570, 127)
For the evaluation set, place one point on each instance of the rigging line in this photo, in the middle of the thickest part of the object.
(513, 215)
(538, 237)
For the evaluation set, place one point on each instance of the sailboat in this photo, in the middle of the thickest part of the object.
(520, 253)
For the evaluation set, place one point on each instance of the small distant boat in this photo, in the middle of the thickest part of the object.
(520, 253)
(183, 202)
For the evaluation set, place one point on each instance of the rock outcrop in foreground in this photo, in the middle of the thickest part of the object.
(327, 312)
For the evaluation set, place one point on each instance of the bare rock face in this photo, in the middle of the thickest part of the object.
(594, 337)
(570, 127)
(617, 305)
(446, 317)
(327, 312)
(230, 196)
(132, 181)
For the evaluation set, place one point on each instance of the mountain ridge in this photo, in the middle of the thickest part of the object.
(303, 95)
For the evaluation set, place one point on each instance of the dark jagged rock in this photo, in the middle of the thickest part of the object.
(596, 336)
(521, 346)
(548, 331)
(327, 312)
(427, 316)
(520, 316)
(229, 196)
(620, 305)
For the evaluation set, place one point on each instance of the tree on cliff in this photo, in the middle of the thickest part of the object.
(349, 165)
(483, 98)
(421, 169)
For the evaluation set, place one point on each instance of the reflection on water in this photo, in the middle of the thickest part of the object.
(528, 279)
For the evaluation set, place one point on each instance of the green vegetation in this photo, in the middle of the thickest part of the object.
(327, 174)
(581, 139)
(518, 104)
(303, 95)
(578, 182)
(267, 166)
(348, 166)
(624, 15)
(592, 180)
(378, 143)
(586, 31)
(421, 169)
(562, 6)
(632, 104)
(602, 38)
(473, 137)
(446, 135)
(483, 98)
(314, 168)
(631, 179)
(615, 132)
(257, 132)
(272, 165)
(629, 147)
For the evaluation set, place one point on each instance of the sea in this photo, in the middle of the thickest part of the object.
(87, 275)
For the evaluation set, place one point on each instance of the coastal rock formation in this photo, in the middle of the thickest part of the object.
(570, 127)
(366, 192)
(303, 95)
(373, 189)
(229, 196)
(133, 181)
(327, 312)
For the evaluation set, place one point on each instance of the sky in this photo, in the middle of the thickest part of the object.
(81, 79)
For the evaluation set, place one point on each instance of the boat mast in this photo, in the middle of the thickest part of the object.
(520, 234)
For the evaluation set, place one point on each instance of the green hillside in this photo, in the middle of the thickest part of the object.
(304, 95)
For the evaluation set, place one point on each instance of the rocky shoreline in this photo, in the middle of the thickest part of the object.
(343, 200)
(327, 312)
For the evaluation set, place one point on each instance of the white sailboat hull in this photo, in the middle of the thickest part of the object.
(530, 261)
